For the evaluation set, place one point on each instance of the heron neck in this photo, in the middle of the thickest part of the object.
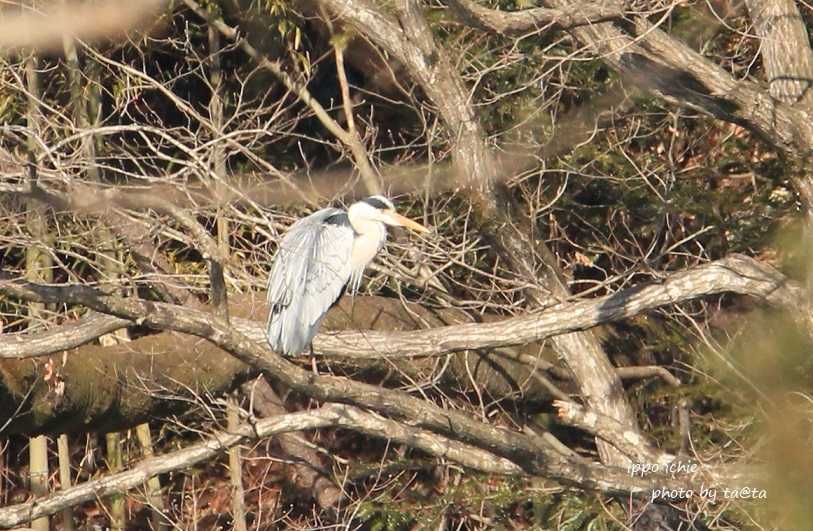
(367, 243)
(366, 227)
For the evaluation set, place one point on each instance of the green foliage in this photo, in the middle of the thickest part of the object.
(382, 516)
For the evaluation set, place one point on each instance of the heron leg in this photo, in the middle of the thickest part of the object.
(313, 360)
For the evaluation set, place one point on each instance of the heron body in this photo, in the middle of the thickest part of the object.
(318, 257)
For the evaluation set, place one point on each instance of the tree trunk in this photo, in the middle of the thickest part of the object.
(219, 296)
(109, 254)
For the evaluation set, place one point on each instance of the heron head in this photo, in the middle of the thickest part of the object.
(379, 208)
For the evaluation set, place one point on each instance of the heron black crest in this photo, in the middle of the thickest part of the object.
(380, 202)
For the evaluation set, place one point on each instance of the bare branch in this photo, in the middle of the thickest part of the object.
(517, 23)
(628, 441)
(360, 155)
(636, 373)
(67, 336)
(736, 274)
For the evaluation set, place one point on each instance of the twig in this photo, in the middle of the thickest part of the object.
(352, 141)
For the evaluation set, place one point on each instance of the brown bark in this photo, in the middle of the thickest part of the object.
(98, 388)
(115, 387)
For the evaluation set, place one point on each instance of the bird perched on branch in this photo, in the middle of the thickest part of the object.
(318, 257)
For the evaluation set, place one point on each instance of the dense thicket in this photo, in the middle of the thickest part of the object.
(617, 276)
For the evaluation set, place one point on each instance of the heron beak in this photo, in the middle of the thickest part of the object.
(401, 221)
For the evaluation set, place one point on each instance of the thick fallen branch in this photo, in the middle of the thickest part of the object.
(255, 353)
(67, 336)
(106, 388)
(735, 274)
(169, 370)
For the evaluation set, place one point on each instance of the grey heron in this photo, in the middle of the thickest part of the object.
(317, 258)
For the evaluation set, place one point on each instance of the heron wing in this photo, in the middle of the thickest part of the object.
(311, 268)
